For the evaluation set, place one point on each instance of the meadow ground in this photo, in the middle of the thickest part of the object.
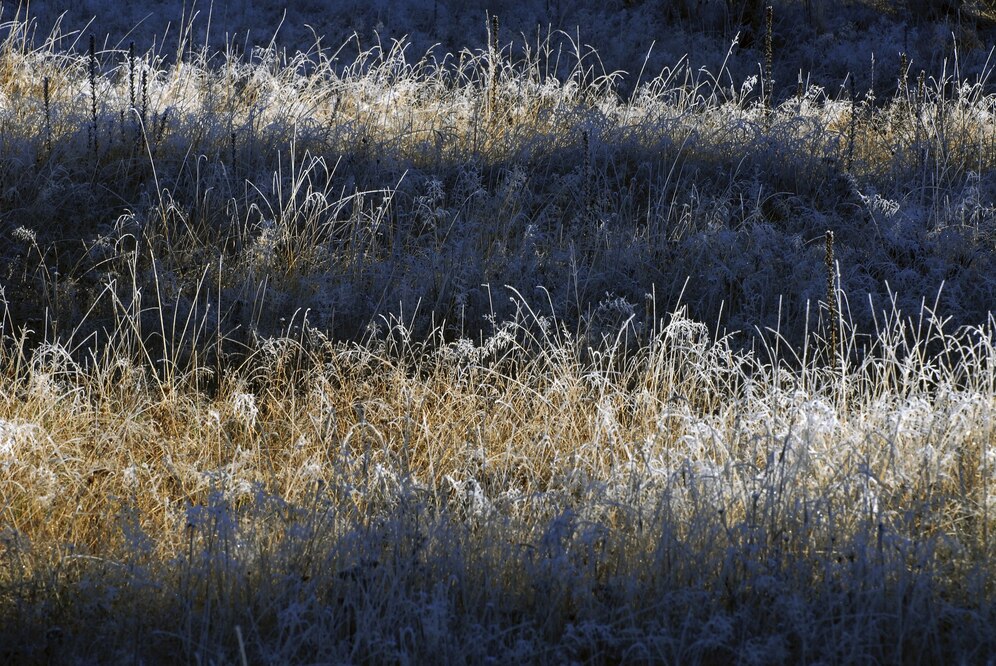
(470, 357)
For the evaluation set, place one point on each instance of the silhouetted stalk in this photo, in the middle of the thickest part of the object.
(48, 116)
(769, 59)
(93, 97)
(493, 70)
(851, 126)
(832, 299)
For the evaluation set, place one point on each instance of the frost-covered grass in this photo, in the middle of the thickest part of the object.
(264, 184)
(526, 498)
(402, 360)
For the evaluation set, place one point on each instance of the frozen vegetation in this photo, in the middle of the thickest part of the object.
(426, 336)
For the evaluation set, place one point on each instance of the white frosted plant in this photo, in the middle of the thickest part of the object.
(46, 485)
(878, 206)
(16, 440)
(8, 443)
(244, 408)
(130, 476)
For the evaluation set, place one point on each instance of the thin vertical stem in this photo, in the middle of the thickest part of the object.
(93, 97)
(48, 115)
(769, 59)
(832, 299)
(851, 126)
(493, 69)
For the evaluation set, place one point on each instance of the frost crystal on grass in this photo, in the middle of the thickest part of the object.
(130, 476)
(24, 234)
(244, 408)
(46, 485)
(8, 442)
(879, 205)
(16, 439)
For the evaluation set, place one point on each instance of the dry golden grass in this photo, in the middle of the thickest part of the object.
(732, 457)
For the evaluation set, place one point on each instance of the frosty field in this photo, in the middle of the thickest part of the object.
(359, 351)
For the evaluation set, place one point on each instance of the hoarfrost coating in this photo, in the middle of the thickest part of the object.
(821, 41)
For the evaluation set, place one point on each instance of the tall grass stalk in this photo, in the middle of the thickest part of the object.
(92, 69)
(833, 351)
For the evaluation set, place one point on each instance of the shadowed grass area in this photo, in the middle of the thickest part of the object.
(233, 191)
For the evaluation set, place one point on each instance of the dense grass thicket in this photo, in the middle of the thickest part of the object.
(493, 355)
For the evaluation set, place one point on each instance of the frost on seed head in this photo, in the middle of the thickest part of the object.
(245, 409)
(24, 234)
